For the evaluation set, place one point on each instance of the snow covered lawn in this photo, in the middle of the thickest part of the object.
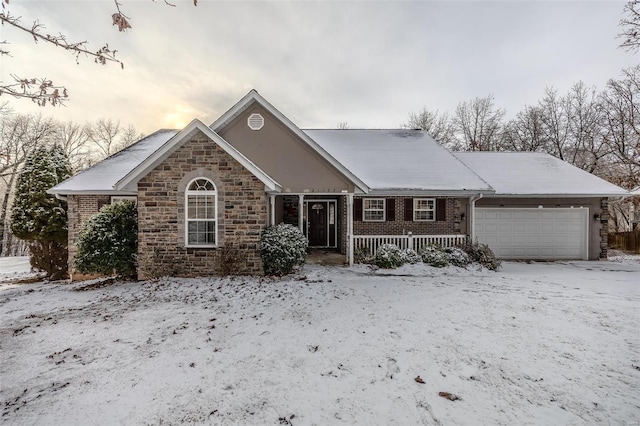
(541, 343)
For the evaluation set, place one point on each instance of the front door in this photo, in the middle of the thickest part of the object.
(317, 212)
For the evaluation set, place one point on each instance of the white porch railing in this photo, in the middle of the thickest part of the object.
(370, 243)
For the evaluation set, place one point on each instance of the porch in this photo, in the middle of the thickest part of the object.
(327, 221)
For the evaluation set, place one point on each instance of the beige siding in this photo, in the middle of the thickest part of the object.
(283, 156)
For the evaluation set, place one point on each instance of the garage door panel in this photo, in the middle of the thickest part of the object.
(555, 233)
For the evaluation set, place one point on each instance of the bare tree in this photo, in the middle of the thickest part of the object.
(436, 125)
(478, 125)
(343, 125)
(585, 149)
(525, 132)
(109, 136)
(74, 140)
(621, 127)
(630, 24)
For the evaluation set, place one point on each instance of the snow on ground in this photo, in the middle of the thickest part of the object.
(15, 267)
(539, 343)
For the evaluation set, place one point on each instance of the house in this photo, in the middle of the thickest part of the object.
(205, 189)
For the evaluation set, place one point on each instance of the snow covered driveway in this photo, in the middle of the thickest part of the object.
(542, 343)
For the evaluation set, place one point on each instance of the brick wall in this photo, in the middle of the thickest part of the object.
(604, 228)
(242, 214)
(79, 209)
(451, 225)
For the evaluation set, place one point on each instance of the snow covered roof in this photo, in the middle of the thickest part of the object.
(392, 160)
(534, 173)
(103, 176)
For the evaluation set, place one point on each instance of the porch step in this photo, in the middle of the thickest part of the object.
(328, 258)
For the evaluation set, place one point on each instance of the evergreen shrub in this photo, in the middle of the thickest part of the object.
(108, 241)
(388, 256)
(283, 249)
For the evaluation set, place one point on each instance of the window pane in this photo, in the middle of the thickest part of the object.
(201, 232)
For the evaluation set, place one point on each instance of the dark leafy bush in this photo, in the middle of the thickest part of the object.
(362, 255)
(410, 256)
(388, 256)
(283, 249)
(482, 254)
(108, 241)
(457, 256)
(435, 256)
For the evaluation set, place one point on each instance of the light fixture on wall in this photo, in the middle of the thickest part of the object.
(596, 216)
(462, 216)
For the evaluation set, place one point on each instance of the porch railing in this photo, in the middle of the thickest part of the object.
(371, 243)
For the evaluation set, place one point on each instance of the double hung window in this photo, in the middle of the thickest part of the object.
(201, 211)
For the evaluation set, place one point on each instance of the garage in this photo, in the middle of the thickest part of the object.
(534, 233)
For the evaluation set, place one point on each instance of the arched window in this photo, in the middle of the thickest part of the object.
(201, 212)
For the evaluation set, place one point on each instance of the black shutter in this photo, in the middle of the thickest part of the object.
(391, 209)
(408, 209)
(441, 209)
(357, 209)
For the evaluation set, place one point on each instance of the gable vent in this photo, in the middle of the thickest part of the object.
(255, 121)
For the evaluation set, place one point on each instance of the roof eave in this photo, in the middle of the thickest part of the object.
(54, 191)
(559, 195)
(427, 192)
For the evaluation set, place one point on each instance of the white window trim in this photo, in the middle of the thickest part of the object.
(415, 209)
(365, 210)
(188, 192)
(119, 198)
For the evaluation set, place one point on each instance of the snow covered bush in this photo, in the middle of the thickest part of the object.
(388, 256)
(40, 218)
(482, 254)
(435, 256)
(283, 249)
(410, 256)
(108, 241)
(457, 256)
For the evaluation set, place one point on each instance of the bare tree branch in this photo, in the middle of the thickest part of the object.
(101, 56)
(40, 91)
(630, 24)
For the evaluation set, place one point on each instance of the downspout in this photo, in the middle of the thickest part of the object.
(350, 228)
(472, 216)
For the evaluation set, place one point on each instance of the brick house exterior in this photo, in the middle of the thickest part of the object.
(255, 168)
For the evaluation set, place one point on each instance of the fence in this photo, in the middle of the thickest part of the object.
(369, 244)
(627, 241)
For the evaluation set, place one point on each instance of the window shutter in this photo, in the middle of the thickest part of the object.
(357, 209)
(391, 209)
(408, 209)
(441, 209)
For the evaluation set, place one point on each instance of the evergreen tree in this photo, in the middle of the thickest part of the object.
(40, 218)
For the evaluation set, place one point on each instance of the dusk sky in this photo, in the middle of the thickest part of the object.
(367, 63)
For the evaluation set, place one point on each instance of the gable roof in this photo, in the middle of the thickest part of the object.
(536, 174)
(399, 160)
(101, 178)
(254, 97)
(119, 173)
(182, 136)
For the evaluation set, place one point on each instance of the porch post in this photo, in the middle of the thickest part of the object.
(300, 213)
(272, 209)
(350, 228)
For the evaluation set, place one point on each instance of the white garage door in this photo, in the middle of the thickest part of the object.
(556, 233)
